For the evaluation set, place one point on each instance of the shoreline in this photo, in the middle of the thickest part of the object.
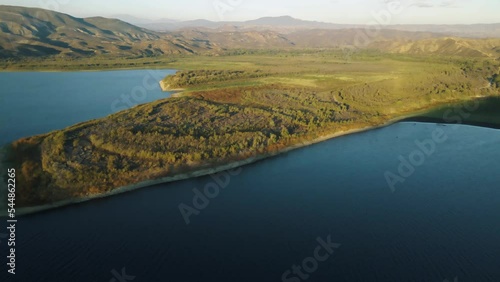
(79, 70)
(194, 174)
(441, 120)
(406, 116)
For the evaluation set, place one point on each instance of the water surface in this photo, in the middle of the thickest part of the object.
(38, 102)
(441, 223)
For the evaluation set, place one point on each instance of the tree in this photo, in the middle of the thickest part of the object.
(284, 132)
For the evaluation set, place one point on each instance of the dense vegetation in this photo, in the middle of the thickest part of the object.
(495, 80)
(184, 79)
(259, 104)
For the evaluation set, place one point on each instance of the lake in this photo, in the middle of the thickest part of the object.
(38, 102)
(327, 209)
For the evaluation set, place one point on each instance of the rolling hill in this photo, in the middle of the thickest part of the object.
(325, 38)
(449, 46)
(38, 32)
(279, 24)
(287, 24)
(32, 32)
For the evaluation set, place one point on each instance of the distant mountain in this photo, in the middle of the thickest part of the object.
(325, 38)
(143, 22)
(31, 32)
(229, 38)
(38, 32)
(287, 21)
(286, 24)
(174, 26)
(444, 46)
(280, 24)
(472, 31)
(240, 39)
(392, 41)
(131, 19)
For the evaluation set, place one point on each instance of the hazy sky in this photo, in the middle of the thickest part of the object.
(336, 11)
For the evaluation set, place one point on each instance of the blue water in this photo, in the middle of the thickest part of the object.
(39, 102)
(442, 223)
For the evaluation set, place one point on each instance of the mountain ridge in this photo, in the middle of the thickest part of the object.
(32, 32)
(39, 32)
(288, 23)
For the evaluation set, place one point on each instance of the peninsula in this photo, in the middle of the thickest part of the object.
(239, 110)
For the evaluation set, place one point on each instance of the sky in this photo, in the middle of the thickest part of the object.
(333, 11)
